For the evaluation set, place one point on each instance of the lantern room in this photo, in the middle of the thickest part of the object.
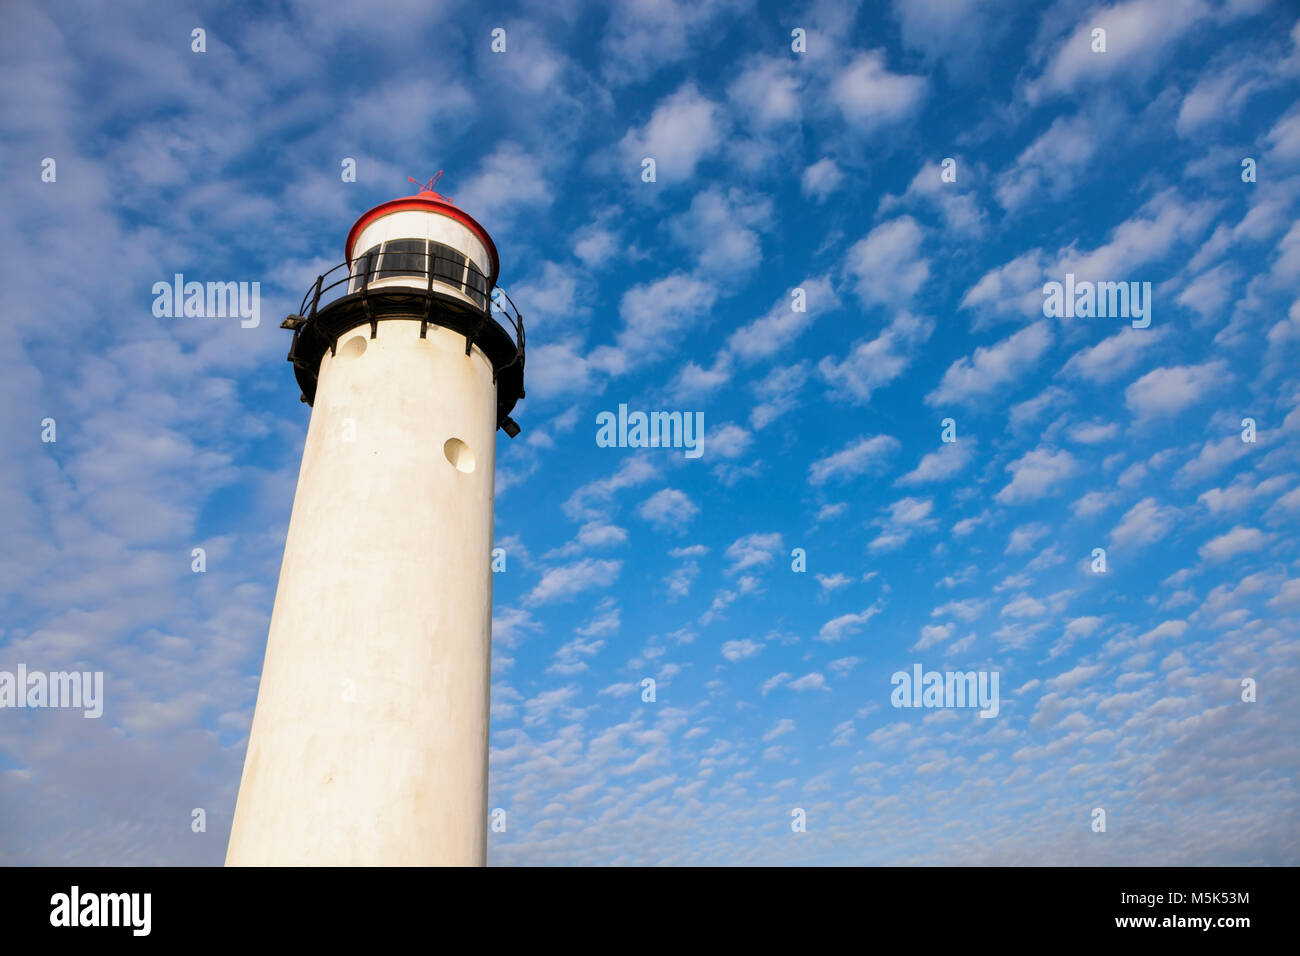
(420, 239)
(417, 258)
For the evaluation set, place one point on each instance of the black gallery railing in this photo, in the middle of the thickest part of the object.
(442, 290)
(436, 270)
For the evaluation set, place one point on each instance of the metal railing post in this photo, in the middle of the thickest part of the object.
(428, 293)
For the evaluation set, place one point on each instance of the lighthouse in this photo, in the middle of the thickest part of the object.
(369, 742)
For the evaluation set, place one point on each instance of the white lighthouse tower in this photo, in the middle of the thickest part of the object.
(370, 738)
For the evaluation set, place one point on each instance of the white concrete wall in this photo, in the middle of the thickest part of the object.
(387, 583)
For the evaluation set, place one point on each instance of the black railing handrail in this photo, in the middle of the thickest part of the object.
(483, 315)
(311, 302)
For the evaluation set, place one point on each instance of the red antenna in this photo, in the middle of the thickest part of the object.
(428, 187)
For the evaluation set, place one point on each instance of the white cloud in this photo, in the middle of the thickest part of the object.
(961, 212)
(1288, 596)
(1167, 391)
(728, 440)
(773, 682)
(833, 582)
(1146, 522)
(669, 510)
(1036, 474)
(887, 263)
(557, 369)
(1213, 457)
(771, 333)
(905, 517)
(539, 709)
(753, 550)
(511, 625)
(1284, 139)
(875, 363)
(943, 463)
(1054, 161)
(509, 182)
(1094, 433)
(1023, 605)
(968, 610)
(643, 37)
(832, 510)
(684, 128)
(838, 628)
(1218, 97)
(570, 658)
(821, 179)
(932, 634)
(740, 650)
(722, 227)
(768, 92)
(871, 97)
(992, 367)
(778, 393)
(782, 727)
(1014, 288)
(777, 329)
(1240, 540)
(1163, 222)
(1139, 36)
(585, 503)
(1114, 356)
(551, 296)
(1175, 629)
(694, 381)
(1083, 626)
(1074, 677)
(592, 535)
(842, 666)
(1093, 503)
(596, 246)
(561, 583)
(1024, 537)
(655, 314)
(862, 457)
(813, 681)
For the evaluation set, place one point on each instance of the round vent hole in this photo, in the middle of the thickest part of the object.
(459, 455)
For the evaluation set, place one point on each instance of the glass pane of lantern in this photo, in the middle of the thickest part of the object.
(477, 283)
(402, 257)
(448, 264)
(360, 266)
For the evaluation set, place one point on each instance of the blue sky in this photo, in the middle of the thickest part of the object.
(775, 171)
